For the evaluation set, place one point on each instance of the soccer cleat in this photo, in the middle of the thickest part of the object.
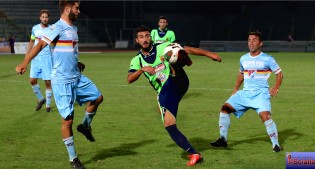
(40, 104)
(219, 143)
(76, 164)
(48, 109)
(277, 148)
(194, 159)
(86, 131)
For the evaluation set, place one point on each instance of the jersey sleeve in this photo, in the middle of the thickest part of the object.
(51, 33)
(152, 35)
(273, 65)
(173, 38)
(134, 65)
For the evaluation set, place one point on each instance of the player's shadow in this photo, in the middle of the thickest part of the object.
(192, 94)
(283, 136)
(122, 150)
(8, 75)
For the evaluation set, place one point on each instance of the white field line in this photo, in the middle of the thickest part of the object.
(148, 86)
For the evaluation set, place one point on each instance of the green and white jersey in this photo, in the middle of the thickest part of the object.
(159, 36)
(162, 68)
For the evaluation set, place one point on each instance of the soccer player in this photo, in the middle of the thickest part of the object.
(41, 65)
(170, 82)
(255, 69)
(162, 34)
(68, 84)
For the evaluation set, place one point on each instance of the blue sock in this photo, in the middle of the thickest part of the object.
(87, 119)
(180, 139)
(37, 92)
(69, 142)
(224, 124)
(48, 97)
(272, 132)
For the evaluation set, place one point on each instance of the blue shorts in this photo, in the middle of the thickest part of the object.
(243, 100)
(41, 68)
(82, 91)
(172, 92)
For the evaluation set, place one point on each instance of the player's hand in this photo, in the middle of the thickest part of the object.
(81, 66)
(21, 68)
(148, 69)
(273, 92)
(215, 57)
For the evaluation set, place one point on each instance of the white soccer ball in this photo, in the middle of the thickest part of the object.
(171, 52)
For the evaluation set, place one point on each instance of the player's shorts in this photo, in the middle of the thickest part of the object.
(41, 68)
(243, 100)
(172, 92)
(82, 91)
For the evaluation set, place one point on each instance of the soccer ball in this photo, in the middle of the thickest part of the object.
(171, 52)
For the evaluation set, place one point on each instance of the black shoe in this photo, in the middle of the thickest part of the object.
(86, 132)
(40, 104)
(219, 143)
(76, 164)
(277, 148)
(48, 109)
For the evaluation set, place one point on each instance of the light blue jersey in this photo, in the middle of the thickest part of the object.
(63, 39)
(37, 35)
(41, 65)
(257, 70)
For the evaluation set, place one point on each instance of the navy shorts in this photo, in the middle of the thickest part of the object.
(172, 92)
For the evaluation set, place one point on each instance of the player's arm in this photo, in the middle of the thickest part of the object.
(21, 68)
(30, 46)
(201, 52)
(173, 37)
(238, 83)
(275, 89)
(133, 76)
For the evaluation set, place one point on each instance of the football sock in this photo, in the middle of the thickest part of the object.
(224, 124)
(272, 131)
(180, 139)
(37, 92)
(48, 97)
(69, 142)
(87, 119)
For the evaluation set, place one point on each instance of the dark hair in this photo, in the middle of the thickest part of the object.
(64, 3)
(257, 33)
(44, 11)
(162, 17)
(142, 28)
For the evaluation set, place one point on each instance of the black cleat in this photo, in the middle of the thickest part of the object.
(40, 104)
(48, 109)
(86, 131)
(76, 164)
(277, 148)
(219, 143)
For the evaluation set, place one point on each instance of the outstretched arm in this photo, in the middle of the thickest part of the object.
(21, 68)
(275, 89)
(202, 52)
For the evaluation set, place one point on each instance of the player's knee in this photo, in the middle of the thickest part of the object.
(99, 100)
(264, 116)
(227, 109)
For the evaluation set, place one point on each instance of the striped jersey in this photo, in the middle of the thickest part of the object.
(257, 70)
(37, 34)
(63, 39)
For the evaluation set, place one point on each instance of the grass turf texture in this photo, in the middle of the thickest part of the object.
(128, 129)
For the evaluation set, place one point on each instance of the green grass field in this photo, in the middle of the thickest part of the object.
(128, 129)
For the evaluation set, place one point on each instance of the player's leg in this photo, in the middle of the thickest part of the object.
(232, 105)
(48, 95)
(35, 73)
(271, 129)
(46, 67)
(64, 99)
(88, 93)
